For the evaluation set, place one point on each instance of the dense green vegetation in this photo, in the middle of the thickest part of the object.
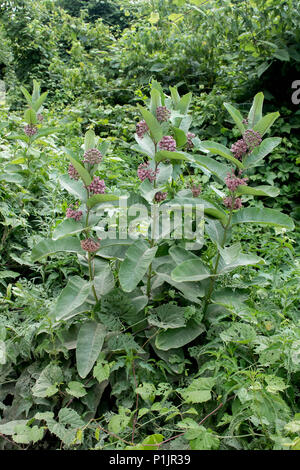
(175, 341)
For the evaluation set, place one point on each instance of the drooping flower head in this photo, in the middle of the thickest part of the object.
(239, 149)
(145, 172)
(160, 196)
(189, 143)
(73, 214)
(90, 245)
(73, 173)
(233, 182)
(142, 129)
(92, 156)
(162, 113)
(30, 130)
(196, 190)
(167, 143)
(97, 186)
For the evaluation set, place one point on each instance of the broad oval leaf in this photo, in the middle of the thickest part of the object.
(138, 259)
(266, 147)
(66, 228)
(270, 191)
(100, 198)
(236, 116)
(178, 337)
(72, 296)
(48, 247)
(73, 187)
(152, 123)
(84, 174)
(266, 122)
(166, 155)
(191, 270)
(89, 345)
(219, 149)
(263, 216)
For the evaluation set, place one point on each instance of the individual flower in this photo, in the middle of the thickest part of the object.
(30, 130)
(160, 196)
(90, 245)
(162, 113)
(73, 214)
(167, 143)
(232, 203)
(189, 143)
(141, 129)
(73, 173)
(245, 122)
(233, 182)
(97, 186)
(239, 149)
(92, 156)
(252, 139)
(145, 172)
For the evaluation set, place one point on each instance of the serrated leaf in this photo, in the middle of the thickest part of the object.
(76, 389)
(48, 382)
(199, 391)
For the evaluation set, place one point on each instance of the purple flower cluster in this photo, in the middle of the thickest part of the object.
(145, 172)
(232, 181)
(92, 156)
(189, 143)
(239, 149)
(73, 173)
(97, 186)
(232, 203)
(89, 245)
(73, 214)
(160, 196)
(252, 139)
(141, 129)
(30, 130)
(162, 113)
(167, 143)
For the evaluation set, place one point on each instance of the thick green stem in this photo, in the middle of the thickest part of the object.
(213, 278)
(91, 274)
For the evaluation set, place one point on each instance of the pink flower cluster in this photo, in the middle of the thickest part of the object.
(239, 149)
(189, 143)
(162, 113)
(30, 130)
(145, 172)
(92, 156)
(252, 139)
(89, 245)
(73, 214)
(97, 186)
(73, 173)
(232, 203)
(141, 129)
(167, 143)
(160, 196)
(232, 181)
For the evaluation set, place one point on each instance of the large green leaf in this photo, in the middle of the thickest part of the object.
(216, 168)
(180, 137)
(263, 216)
(178, 337)
(89, 345)
(255, 113)
(231, 258)
(260, 152)
(66, 228)
(89, 140)
(152, 123)
(48, 381)
(191, 270)
(199, 391)
(84, 174)
(138, 259)
(72, 296)
(219, 149)
(270, 191)
(184, 103)
(39, 102)
(100, 198)
(266, 122)
(48, 247)
(30, 117)
(145, 145)
(236, 116)
(73, 187)
(166, 155)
